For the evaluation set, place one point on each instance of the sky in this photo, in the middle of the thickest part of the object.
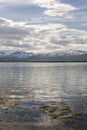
(43, 25)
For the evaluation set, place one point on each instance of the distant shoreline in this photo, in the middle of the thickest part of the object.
(46, 61)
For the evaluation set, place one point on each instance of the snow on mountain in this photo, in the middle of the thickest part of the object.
(17, 54)
(69, 52)
(61, 55)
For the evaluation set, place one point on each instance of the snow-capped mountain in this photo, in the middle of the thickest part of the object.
(61, 55)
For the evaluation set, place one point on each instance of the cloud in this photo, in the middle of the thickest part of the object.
(55, 8)
(40, 37)
(52, 7)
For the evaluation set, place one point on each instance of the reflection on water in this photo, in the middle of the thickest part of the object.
(43, 94)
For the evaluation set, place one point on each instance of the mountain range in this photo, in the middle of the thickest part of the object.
(58, 56)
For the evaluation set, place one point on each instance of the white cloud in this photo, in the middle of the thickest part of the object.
(52, 7)
(39, 38)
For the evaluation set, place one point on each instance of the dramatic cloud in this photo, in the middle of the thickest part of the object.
(39, 38)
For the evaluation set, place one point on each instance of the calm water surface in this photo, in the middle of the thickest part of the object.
(43, 95)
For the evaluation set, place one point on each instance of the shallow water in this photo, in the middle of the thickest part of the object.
(43, 96)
